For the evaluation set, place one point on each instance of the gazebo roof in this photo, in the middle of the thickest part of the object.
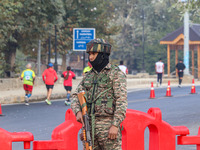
(177, 35)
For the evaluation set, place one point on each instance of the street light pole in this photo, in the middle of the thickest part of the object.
(56, 64)
(39, 59)
(49, 58)
(143, 66)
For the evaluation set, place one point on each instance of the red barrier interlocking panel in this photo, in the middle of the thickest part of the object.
(162, 135)
(64, 137)
(6, 139)
(190, 140)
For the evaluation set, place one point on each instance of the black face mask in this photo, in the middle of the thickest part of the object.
(100, 62)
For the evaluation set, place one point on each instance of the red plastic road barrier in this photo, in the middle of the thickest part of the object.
(152, 92)
(6, 139)
(162, 136)
(168, 92)
(190, 140)
(193, 90)
(0, 111)
(64, 137)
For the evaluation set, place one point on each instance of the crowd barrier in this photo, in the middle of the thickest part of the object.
(6, 139)
(162, 136)
(64, 136)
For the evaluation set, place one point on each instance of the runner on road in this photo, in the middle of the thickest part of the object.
(28, 76)
(49, 77)
(180, 68)
(159, 68)
(68, 76)
(123, 68)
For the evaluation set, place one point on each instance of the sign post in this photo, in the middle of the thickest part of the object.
(81, 36)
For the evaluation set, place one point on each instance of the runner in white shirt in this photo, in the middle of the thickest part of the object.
(123, 68)
(159, 67)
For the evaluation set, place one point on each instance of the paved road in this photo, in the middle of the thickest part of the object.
(41, 119)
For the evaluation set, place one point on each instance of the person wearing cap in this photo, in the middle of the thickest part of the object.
(106, 97)
(28, 77)
(87, 69)
(123, 68)
(49, 77)
(68, 76)
(159, 68)
(180, 69)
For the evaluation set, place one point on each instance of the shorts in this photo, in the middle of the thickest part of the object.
(49, 86)
(180, 74)
(28, 87)
(68, 88)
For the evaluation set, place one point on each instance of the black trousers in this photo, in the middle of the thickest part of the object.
(159, 77)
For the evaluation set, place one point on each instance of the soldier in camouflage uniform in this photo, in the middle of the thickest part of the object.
(106, 96)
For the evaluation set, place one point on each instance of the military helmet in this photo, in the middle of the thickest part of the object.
(98, 45)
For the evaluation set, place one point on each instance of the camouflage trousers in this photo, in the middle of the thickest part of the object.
(101, 140)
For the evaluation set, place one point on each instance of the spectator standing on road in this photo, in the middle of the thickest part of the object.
(123, 68)
(180, 68)
(87, 69)
(28, 76)
(49, 77)
(159, 68)
(68, 76)
(106, 97)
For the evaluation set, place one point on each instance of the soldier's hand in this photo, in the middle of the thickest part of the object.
(112, 133)
(79, 117)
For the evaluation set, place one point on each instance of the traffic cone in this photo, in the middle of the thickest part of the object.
(152, 92)
(0, 111)
(168, 92)
(193, 90)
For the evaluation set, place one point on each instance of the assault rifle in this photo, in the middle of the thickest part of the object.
(86, 129)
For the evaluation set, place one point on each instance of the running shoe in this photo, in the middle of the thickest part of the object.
(48, 102)
(26, 101)
(157, 84)
(67, 102)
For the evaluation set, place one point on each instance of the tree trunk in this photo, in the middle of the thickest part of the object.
(10, 56)
(64, 62)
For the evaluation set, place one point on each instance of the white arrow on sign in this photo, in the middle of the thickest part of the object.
(77, 33)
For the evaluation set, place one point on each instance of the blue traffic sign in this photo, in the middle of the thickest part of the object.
(81, 36)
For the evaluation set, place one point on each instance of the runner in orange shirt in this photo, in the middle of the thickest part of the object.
(68, 76)
(49, 77)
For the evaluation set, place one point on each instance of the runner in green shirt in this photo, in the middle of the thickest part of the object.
(28, 76)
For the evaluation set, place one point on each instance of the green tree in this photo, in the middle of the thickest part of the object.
(26, 22)
(8, 32)
(158, 22)
(85, 14)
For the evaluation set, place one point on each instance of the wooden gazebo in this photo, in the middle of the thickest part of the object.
(175, 41)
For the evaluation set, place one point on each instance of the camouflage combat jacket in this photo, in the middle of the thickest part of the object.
(110, 93)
